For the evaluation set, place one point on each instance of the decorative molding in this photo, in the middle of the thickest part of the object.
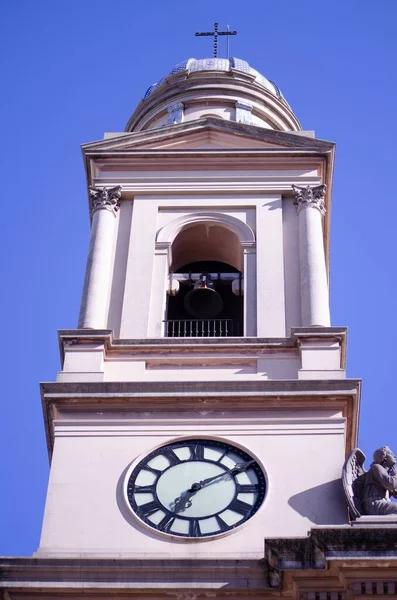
(325, 544)
(373, 588)
(230, 183)
(323, 595)
(126, 575)
(243, 112)
(175, 113)
(169, 232)
(165, 249)
(128, 140)
(105, 198)
(70, 342)
(219, 425)
(248, 247)
(309, 196)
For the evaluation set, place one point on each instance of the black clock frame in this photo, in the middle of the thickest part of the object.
(196, 447)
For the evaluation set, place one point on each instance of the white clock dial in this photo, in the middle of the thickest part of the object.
(196, 488)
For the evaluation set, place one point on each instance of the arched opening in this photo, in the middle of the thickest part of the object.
(205, 296)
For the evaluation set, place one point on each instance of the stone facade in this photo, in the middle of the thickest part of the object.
(252, 191)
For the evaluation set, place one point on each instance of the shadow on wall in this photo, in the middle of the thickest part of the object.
(323, 505)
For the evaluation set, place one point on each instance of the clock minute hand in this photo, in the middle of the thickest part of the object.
(238, 468)
(183, 502)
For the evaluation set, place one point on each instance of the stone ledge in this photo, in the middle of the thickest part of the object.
(90, 574)
(191, 344)
(323, 387)
(339, 543)
(341, 394)
(375, 521)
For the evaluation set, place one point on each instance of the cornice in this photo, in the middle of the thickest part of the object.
(251, 131)
(294, 149)
(300, 568)
(101, 577)
(193, 346)
(340, 394)
(189, 389)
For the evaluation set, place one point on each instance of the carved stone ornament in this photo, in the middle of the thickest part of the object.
(309, 196)
(368, 492)
(105, 198)
(243, 112)
(175, 114)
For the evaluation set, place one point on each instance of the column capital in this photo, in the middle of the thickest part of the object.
(104, 198)
(309, 196)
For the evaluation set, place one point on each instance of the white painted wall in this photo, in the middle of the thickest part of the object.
(309, 359)
(91, 457)
(270, 268)
(201, 370)
(138, 278)
(137, 298)
(119, 271)
(291, 266)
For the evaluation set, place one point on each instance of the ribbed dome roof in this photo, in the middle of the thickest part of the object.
(192, 65)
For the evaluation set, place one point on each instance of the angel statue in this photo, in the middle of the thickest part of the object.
(368, 492)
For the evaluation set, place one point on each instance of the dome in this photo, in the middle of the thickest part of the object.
(194, 65)
(224, 88)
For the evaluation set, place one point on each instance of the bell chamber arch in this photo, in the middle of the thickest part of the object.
(205, 293)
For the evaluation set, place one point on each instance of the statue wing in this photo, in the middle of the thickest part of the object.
(353, 475)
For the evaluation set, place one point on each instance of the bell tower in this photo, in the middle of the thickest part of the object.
(204, 377)
(204, 316)
(221, 236)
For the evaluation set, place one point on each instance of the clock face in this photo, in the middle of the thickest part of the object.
(196, 488)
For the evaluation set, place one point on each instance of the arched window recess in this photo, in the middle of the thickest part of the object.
(205, 285)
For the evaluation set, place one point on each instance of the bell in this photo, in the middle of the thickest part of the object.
(203, 302)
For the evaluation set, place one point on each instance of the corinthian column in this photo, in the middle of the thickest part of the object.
(103, 205)
(309, 202)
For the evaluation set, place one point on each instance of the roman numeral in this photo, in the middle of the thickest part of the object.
(149, 508)
(194, 528)
(245, 489)
(142, 489)
(223, 526)
(166, 523)
(197, 452)
(240, 507)
(172, 457)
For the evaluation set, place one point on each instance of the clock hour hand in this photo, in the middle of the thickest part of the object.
(183, 502)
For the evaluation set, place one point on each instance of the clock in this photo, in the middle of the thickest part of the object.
(195, 488)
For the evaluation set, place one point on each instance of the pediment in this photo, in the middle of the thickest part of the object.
(207, 139)
(208, 133)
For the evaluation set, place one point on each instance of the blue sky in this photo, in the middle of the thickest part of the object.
(73, 69)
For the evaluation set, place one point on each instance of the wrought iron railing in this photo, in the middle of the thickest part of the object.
(202, 328)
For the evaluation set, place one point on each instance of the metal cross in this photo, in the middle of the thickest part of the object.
(215, 33)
